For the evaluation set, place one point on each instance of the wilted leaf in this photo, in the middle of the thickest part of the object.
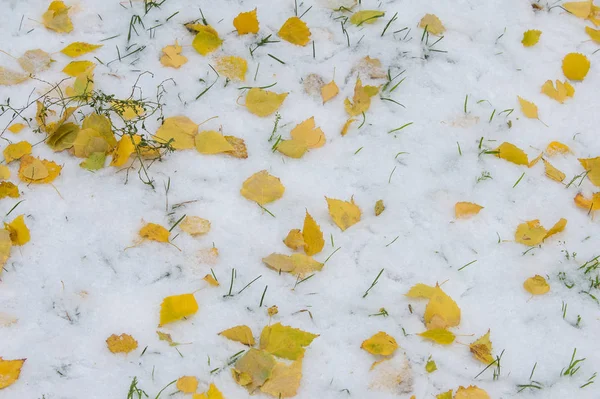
(180, 131)
(284, 341)
(167, 337)
(94, 162)
(177, 307)
(294, 239)
(211, 280)
(187, 384)
(207, 39)
(8, 189)
(5, 246)
(532, 233)
(575, 66)
(241, 334)
(366, 17)
(430, 366)
(212, 142)
(471, 392)
(482, 349)
(77, 49)
(536, 285)
(233, 68)
(16, 151)
(441, 311)
(76, 68)
(10, 371)
(313, 236)
(57, 17)
(329, 91)
(439, 335)
(284, 381)
(34, 61)
(512, 153)
(380, 344)
(306, 133)
(262, 188)
(9, 77)
(361, 101)
(246, 22)
(346, 126)
(297, 264)
(556, 147)
(557, 228)
(379, 207)
(172, 56)
(553, 173)
(295, 31)
(123, 343)
(463, 210)
(239, 147)
(343, 213)
(263, 102)
(292, 148)
(433, 24)
(528, 108)
(195, 225)
(272, 311)
(560, 93)
(18, 230)
(592, 166)
(155, 232)
(63, 137)
(38, 171)
(582, 202)
(253, 369)
(531, 37)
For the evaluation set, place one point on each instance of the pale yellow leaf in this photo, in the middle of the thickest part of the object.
(329, 91)
(528, 108)
(34, 61)
(536, 285)
(343, 213)
(77, 49)
(179, 131)
(172, 57)
(195, 225)
(307, 133)
(232, 67)
(262, 188)
(433, 24)
(263, 102)
(463, 210)
(241, 334)
(284, 381)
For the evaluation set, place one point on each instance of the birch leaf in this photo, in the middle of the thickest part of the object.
(34, 61)
(433, 24)
(295, 31)
(463, 210)
(262, 188)
(177, 307)
(123, 343)
(206, 40)
(482, 349)
(536, 285)
(263, 102)
(284, 341)
(77, 49)
(246, 22)
(10, 371)
(380, 344)
(313, 236)
(241, 334)
(439, 335)
(343, 213)
(57, 18)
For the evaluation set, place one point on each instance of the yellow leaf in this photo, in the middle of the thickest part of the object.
(284, 381)
(292, 148)
(167, 337)
(535, 160)
(294, 239)
(366, 17)
(4, 172)
(253, 369)
(212, 393)
(5, 246)
(433, 24)
(34, 61)
(553, 173)
(512, 153)
(307, 133)
(19, 233)
(530, 233)
(439, 335)
(379, 207)
(211, 280)
(63, 137)
(177, 307)
(262, 188)
(329, 91)
(76, 68)
(102, 125)
(195, 225)
(83, 85)
(263, 102)
(239, 147)
(380, 344)
(582, 202)
(441, 311)
(187, 384)
(560, 93)
(241, 334)
(272, 311)
(9, 78)
(94, 162)
(179, 131)
(8, 189)
(463, 210)
(528, 108)
(313, 236)
(343, 213)
(16, 128)
(421, 290)
(125, 147)
(295, 31)
(57, 18)
(361, 101)
(581, 9)
(232, 67)
(556, 147)
(592, 166)
(594, 34)
(430, 366)
(284, 341)
(211, 142)
(16, 151)
(77, 49)
(531, 37)
(445, 395)
(10, 371)
(155, 232)
(297, 264)
(172, 56)
(246, 22)
(207, 39)
(346, 126)
(471, 392)
(123, 343)
(536, 285)
(38, 171)
(575, 66)
(557, 228)
(482, 349)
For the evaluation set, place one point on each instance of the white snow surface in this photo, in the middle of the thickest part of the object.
(78, 238)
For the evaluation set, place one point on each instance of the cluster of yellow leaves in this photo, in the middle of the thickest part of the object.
(123, 343)
(310, 239)
(305, 136)
(189, 384)
(441, 313)
(531, 233)
(584, 9)
(560, 92)
(10, 371)
(361, 101)
(38, 171)
(57, 18)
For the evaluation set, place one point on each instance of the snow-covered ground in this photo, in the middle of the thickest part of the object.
(75, 283)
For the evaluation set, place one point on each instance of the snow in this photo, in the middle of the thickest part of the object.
(75, 283)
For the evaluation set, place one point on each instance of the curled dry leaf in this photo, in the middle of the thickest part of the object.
(589, 205)
(482, 349)
(294, 239)
(123, 343)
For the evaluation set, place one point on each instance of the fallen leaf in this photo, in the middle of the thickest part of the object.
(177, 307)
(343, 213)
(528, 108)
(421, 290)
(10, 371)
(38, 171)
(594, 34)
(9, 77)
(380, 344)
(239, 147)
(207, 39)
(445, 395)
(370, 67)
(284, 381)
(241, 334)
(63, 137)
(76, 68)
(433, 24)
(482, 349)
(557, 228)
(18, 230)
(167, 337)
(430, 366)
(441, 311)
(346, 126)
(180, 131)
(366, 17)
(94, 162)
(379, 207)
(263, 102)
(57, 18)
(125, 147)
(172, 56)
(195, 225)
(531, 37)
(592, 166)
(154, 232)
(329, 91)
(102, 125)
(560, 93)
(536, 285)
(294, 239)
(187, 384)
(361, 101)
(262, 188)
(34, 61)
(531, 233)
(295, 31)
(4, 172)
(556, 147)
(313, 236)
(463, 210)
(16, 128)
(123, 343)
(553, 173)
(582, 202)
(212, 393)
(307, 133)
(439, 335)
(211, 280)
(77, 49)
(292, 148)
(253, 369)
(575, 66)
(212, 142)
(581, 9)
(232, 67)
(471, 392)
(8, 189)
(512, 153)
(15, 151)
(272, 311)
(284, 341)
(246, 22)
(83, 85)
(5, 246)
(297, 264)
